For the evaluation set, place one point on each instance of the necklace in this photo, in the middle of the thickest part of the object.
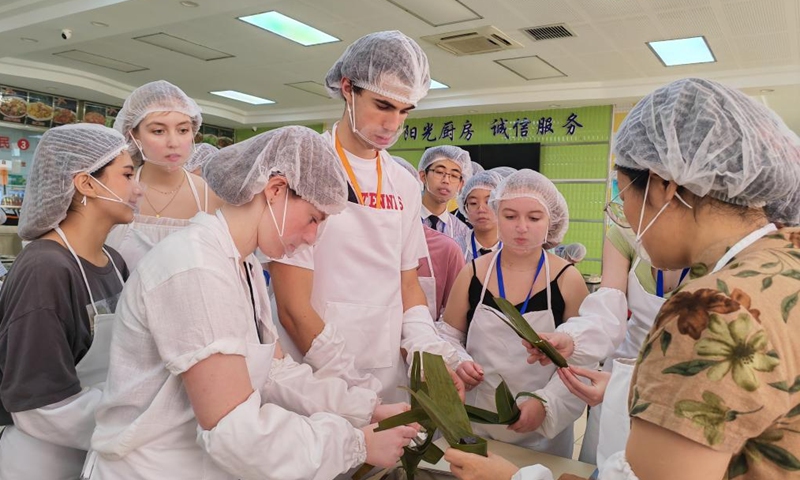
(171, 192)
(174, 196)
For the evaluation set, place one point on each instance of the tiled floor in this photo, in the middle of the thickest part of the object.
(580, 428)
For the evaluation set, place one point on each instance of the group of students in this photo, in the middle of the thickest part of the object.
(194, 382)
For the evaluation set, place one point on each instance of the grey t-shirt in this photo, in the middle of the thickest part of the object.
(45, 324)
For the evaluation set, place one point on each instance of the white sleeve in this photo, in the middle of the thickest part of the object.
(533, 472)
(293, 386)
(68, 423)
(617, 468)
(561, 409)
(599, 327)
(329, 358)
(419, 334)
(454, 337)
(256, 441)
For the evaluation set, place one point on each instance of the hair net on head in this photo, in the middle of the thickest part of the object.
(527, 183)
(715, 141)
(410, 168)
(202, 152)
(447, 152)
(387, 63)
(486, 180)
(62, 153)
(477, 168)
(159, 96)
(307, 160)
(503, 171)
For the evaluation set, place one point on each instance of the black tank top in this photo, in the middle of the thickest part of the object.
(537, 303)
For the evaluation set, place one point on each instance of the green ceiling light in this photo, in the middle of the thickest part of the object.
(289, 28)
(242, 97)
(682, 51)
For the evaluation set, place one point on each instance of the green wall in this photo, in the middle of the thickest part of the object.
(577, 163)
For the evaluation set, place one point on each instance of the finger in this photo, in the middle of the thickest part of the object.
(578, 388)
(454, 457)
(591, 374)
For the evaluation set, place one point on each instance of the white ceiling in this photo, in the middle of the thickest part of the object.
(756, 43)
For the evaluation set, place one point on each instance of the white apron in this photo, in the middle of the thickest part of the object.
(135, 239)
(357, 288)
(496, 347)
(428, 285)
(644, 307)
(25, 457)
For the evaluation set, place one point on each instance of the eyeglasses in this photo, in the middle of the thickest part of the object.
(614, 208)
(441, 173)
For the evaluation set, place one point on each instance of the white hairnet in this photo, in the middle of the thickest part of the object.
(410, 168)
(202, 152)
(387, 63)
(486, 180)
(159, 96)
(477, 167)
(62, 153)
(715, 141)
(447, 152)
(527, 183)
(503, 171)
(572, 252)
(307, 160)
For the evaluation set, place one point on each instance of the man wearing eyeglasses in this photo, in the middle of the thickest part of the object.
(443, 171)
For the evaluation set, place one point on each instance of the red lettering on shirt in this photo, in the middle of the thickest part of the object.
(388, 201)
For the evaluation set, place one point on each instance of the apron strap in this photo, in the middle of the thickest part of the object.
(80, 266)
(488, 276)
(194, 192)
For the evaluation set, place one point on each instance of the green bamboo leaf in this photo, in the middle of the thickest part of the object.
(738, 466)
(793, 273)
(794, 412)
(451, 432)
(747, 274)
(517, 322)
(723, 287)
(480, 447)
(787, 305)
(504, 402)
(690, 368)
(529, 394)
(666, 339)
(480, 415)
(778, 456)
(405, 418)
(639, 408)
(766, 283)
(433, 454)
(440, 386)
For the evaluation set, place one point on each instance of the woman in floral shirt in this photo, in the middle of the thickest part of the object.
(716, 390)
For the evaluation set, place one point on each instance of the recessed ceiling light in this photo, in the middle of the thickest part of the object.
(682, 51)
(101, 61)
(766, 90)
(242, 97)
(29, 40)
(437, 85)
(311, 87)
(190, 4)
(99, 24)
(289, 28)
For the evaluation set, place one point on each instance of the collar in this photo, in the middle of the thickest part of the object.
(444, 217)
(218, 227)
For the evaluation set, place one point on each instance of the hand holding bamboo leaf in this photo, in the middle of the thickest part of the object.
(517, 322)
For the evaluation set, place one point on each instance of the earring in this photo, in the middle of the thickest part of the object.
(83, 201)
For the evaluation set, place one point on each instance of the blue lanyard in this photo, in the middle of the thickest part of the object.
(475, 247)
(660, 281)
(502, 288)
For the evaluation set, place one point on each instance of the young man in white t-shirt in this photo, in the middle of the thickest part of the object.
(353, 301)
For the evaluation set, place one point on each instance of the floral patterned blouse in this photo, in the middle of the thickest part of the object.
(721, 365)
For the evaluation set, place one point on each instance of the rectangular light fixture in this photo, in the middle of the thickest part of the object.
(100, 61)
(682, 51)
(289, 28)
(439, 12)
(185, 47)
(531, 68)
(437, 85)
(311, 87)
(242, 97)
